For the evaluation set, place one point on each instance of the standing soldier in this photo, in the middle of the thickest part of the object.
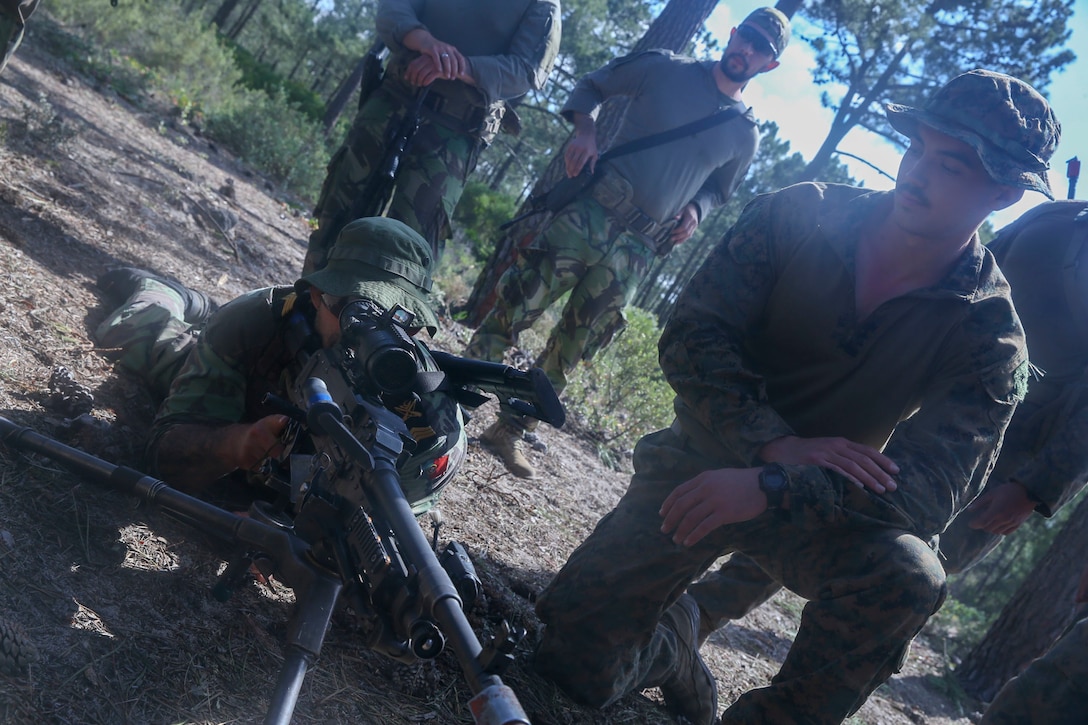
(469, 58)
(641, 204)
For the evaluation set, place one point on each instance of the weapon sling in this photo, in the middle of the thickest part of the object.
(566, 189)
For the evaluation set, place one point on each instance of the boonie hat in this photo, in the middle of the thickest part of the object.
(383, 260)
(1006, 121)
(772, 23)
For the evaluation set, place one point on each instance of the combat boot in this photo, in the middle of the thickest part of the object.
(120, 283)
(689, 690)
(502, 439)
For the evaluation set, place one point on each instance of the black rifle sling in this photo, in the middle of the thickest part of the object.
(664, 137)
(539, 203)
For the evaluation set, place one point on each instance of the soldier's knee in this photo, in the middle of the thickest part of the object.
(917, 577)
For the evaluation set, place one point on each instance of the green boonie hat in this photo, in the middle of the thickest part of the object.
(383, 260)
(1002, 118)
(774, 24)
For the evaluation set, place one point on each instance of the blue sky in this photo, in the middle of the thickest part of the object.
(788, 97)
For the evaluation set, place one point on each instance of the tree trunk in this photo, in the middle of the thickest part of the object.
(851, 111)
(247, 14)
(343, 94)
(672, 29)
(223, 14)
(1034, 618)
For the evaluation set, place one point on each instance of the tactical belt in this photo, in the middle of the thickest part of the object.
(459, 114)
(630, 217)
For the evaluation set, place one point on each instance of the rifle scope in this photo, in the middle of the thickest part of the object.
(378, 348)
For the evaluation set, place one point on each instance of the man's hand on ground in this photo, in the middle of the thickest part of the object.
(712, 499)
(1000, 508)
(864, 466)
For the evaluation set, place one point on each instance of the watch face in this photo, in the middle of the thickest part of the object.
(774, 482)
(773, 479)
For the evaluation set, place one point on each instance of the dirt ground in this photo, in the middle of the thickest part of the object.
(112, 596)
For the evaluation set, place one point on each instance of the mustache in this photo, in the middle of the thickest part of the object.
(913, 192)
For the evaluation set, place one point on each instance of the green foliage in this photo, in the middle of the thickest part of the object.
(902, 51)
(960, 626)
(622, 394)
(261, 77)
(275, 137)
(159, 46)
(182, 55)
(478, 216)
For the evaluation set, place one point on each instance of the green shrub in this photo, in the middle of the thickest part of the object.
(274, 137)
(185, 56)
(260, 77)
(622, 395)
(478, 216)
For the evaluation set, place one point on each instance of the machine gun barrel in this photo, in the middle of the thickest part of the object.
(528, 392)
(494, 703)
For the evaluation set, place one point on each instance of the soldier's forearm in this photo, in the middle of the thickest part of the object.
(191, 457)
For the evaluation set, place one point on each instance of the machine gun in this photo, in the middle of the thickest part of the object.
(344, 524)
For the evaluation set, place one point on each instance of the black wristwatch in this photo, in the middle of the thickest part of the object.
(774, 481)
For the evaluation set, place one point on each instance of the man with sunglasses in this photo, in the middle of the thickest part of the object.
(212, 371)
(845, 364)
(641, 204)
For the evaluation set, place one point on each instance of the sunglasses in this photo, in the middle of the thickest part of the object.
(754, 38)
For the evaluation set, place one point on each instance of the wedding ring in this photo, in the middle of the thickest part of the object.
(445, 55)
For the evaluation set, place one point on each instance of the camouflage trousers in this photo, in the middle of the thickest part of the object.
(581, 251)
(1053, 690)
(740, 585)
(13, 17)
(869, 591)
(151, 335)
(430, 180)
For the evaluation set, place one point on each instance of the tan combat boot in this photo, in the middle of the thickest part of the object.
(502, 440)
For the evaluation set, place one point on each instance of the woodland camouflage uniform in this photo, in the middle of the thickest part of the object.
(509, 54)
(598, 247)
(764, 343)
(219, 371)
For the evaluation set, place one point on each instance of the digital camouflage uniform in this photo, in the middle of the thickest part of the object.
(13, 17)
(510, 45)
(1043, 256)
(764, 343)
(585, 249)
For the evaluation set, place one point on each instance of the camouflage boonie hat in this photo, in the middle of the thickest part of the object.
(383, 260)
(772, 23)
(1002, 118)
